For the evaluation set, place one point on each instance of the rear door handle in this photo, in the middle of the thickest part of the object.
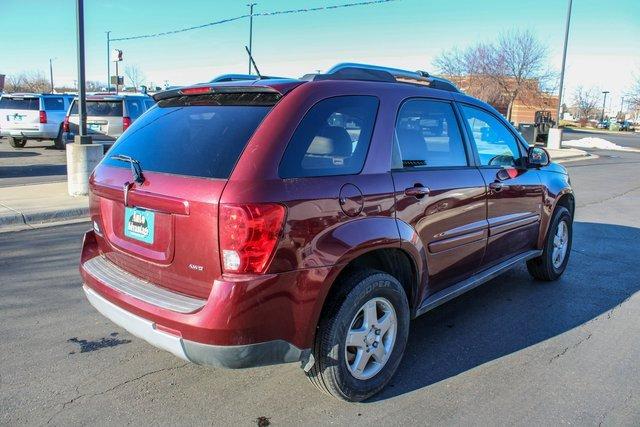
(418, 191)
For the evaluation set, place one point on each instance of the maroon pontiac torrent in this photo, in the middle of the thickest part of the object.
(251, 223)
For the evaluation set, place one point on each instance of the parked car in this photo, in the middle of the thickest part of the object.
(626, 125)
(33, 116)
(108, 115)
(252, 223)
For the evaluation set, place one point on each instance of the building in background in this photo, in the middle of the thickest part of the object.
(531, 98)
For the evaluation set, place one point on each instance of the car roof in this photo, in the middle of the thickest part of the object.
(114, 97)
(363, 78)
(33, 94)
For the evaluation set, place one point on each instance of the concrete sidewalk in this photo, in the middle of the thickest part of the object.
(30, 206)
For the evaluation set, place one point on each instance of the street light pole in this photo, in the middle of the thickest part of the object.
(51, 72)
(564, 60)
(604, 103)
(108, 62)
(250, 32)
(82, 108)
(82, 155)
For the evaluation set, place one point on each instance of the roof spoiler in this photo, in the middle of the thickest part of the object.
(206, 88)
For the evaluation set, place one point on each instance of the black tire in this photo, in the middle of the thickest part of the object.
(17, 143)
(542, 267)
(330, 372)
(58, 142)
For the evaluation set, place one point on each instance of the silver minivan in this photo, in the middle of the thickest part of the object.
(36, 116)
(108, 115)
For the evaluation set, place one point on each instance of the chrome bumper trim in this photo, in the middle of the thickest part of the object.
(113, 276)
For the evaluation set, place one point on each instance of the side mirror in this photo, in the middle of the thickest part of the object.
(538, 157)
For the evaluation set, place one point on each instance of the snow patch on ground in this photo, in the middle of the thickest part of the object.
(598, 143)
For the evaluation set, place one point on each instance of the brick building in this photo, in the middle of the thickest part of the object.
(531, 98)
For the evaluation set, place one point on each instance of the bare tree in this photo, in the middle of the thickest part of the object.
(634, 95)
(94, 85)
(512, 67)
(518, 60)
(32, 81)
(585, 103)
(135, 75)
(467, 69)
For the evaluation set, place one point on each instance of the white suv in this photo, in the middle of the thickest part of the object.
(37, 116)
(108, 115)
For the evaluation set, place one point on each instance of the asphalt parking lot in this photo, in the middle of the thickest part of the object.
(513, 351)
(36, 163)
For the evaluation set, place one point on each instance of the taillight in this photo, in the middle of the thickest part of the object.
(126, 122)
(65, 124)
(43, 117)
(248, 235)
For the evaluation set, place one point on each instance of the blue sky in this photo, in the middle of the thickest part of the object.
(603, 50)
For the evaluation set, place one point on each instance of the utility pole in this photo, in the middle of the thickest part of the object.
(250, 32)
(117, 78)
(622, 105)
(564, 60)
(604, 103)
(51, 72)
(108, 61)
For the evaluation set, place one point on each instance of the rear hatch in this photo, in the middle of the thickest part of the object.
(19, 112)
(187, 147)
(104, 118)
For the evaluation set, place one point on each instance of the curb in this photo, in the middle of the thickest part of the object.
(30, 219)
(575, 158)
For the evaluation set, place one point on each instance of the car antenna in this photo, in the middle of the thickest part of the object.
(253, 62)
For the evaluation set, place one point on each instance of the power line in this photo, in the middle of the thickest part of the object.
(278, 12)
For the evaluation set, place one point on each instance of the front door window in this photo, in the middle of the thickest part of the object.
(496, 145)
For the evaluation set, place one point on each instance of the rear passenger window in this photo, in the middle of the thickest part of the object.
(53, 104)
(135, 108)
(427, 135)
(332, 139)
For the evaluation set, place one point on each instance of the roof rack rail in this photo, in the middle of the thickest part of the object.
(376, 73)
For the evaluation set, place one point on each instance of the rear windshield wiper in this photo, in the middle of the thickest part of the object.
(136, 169)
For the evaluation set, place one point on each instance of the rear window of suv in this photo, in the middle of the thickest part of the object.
(199, 136)
(100, 108)
(7, 103)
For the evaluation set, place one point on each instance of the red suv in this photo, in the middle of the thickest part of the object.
(251, 223)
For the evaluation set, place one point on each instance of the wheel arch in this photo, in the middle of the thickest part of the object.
(394, 256)
(565, 198)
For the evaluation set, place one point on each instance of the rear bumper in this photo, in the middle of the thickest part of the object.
(30, 133)
(68, 137)
(246, 321)
(235, 357)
